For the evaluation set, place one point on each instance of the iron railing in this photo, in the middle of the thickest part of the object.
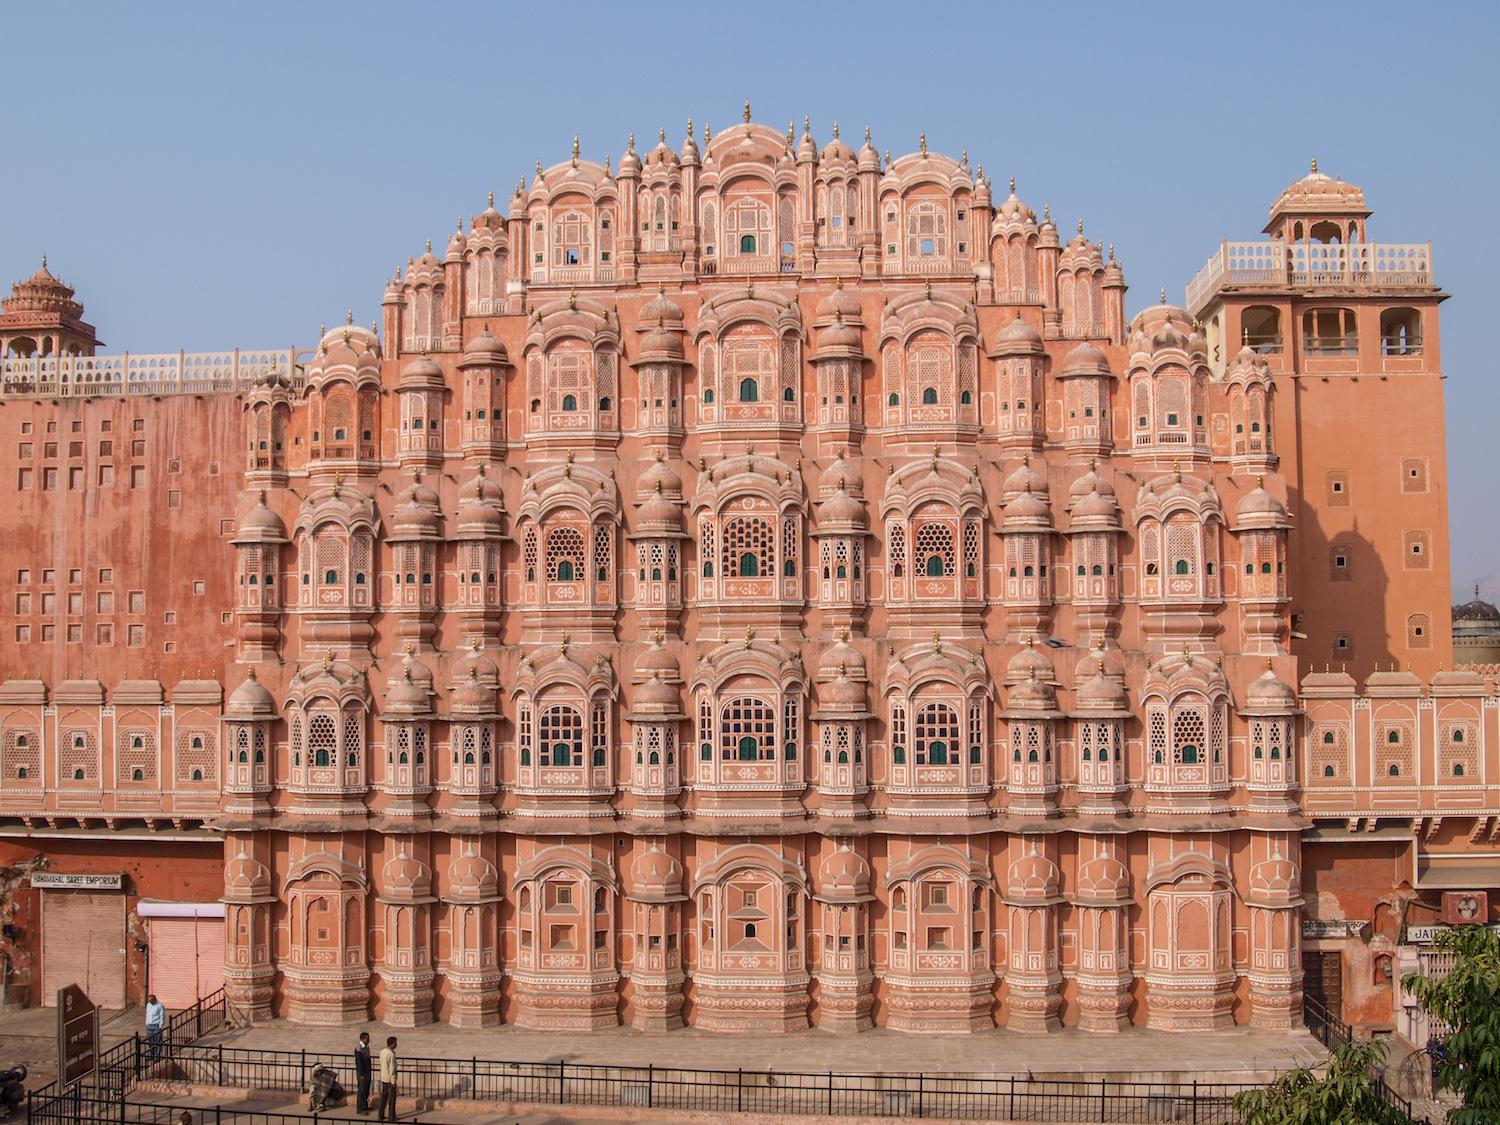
(792, 1093)
(74, 1108)
(1331, 1031)
(124, 1064)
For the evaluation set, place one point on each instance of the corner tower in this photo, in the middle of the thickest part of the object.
(1331, 341)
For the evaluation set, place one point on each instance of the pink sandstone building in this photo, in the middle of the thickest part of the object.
(752, 586)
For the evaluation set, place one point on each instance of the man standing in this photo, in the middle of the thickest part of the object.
(362, 1073)
(156, 1017)
(388, 1080)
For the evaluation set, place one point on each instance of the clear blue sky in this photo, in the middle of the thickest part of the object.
(215, 175)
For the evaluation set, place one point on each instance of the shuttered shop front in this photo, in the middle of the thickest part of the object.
(83, 943)
(186, 950)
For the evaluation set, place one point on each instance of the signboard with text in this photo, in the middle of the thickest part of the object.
(1425, 935)
(77, 1035)
(61, 881)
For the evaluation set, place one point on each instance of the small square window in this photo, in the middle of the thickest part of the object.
(23, 575)
(174, 498)
(23, 634)
(75, 634)
(49, 634)
(26, 427)
(135, 636)
(75, 576)
(199, 588)
(106, 574)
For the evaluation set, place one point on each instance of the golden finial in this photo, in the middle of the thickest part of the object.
(327, 660)
(747, 111)
(887, 160)
(838, 283)
(474, 645)
(843, 669)
(922, 142)
(606, 164)
(937, 641)
(349, 313)
(460, 224)
(250, 674)
(1046, 212)
(791, 133)
(563, 644)
(927, 290)
(474, 668)
(572, 299)
(539, 169)
(1177, 470)
(1163, 295)
(1013, 185)
(1245, 336)
(656, 636)
(1100, 645)
(749, 635)
(261, 499)
(338, 482)
(867, 134)
(708, 136)
(690, 127)
(1260, 480)
(835, 130)
(406, 672)
(1080, 224)
(1031, 642)
(631, 146)
(963, 158)
(44, 261)
(1187, 655)
(575, 150)
(750, 289)
(1111, 251)
(429, 250)
(492, 197)
(806, 125)
(1315, 165)
(1268, 664)
(661, 135)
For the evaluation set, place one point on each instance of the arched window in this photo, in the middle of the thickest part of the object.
(936, 733)
(747, 244)
(749, 565)
(929, 396)
(749, 390)
(570, 402)
(747, 730)
(561, 732)
(564, 554)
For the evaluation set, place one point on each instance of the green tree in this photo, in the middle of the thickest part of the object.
(1467, 1001)
(1343, 1094)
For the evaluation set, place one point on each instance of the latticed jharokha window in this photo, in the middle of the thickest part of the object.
(926, 231)
(565, 555)
(322, 740)
(571, 238)
(21, 751)
(561, 732)
(747, 731)
(937, 735)
(935, 550)
(197, 755)
(749, 547)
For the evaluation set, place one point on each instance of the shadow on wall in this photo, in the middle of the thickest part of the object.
(1341, 607)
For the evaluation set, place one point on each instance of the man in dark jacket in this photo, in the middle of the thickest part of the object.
(362, 1073)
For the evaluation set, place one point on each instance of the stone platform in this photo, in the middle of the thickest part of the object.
(1139, 1055)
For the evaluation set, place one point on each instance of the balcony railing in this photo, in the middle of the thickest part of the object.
(171, 373)
(1276, 263)
(1331, 345)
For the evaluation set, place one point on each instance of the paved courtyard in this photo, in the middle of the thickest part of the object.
(1138, 1054)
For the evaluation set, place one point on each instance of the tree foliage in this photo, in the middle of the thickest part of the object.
(1343, 1094)
(1467, 1002)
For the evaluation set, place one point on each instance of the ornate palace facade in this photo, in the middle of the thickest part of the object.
(752, 586)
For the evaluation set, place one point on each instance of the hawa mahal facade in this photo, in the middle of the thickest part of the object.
(753, 586)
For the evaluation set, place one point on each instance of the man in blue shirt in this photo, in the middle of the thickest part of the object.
(156, 1018)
